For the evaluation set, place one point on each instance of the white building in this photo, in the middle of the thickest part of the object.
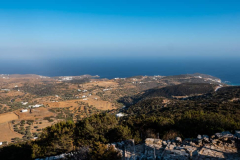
(35, 106)
(67, 78)
(119, 115)
(24, 103)
(24, 110)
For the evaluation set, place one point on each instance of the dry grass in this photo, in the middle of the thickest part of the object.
(7, 133)
(37, 113)
(6, 117)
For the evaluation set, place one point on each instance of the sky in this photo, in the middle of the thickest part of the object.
(119, 28)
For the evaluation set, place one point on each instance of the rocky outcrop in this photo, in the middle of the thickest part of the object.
(219, 146)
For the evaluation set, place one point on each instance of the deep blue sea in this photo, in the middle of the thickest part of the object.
(227, 69)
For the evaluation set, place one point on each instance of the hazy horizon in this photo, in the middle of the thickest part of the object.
(50, 29)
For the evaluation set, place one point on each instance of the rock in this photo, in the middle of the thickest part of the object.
(164, 143)
(119, 144)
(237, 132)
(187, 140)
(192, 144)
(157, 141)
(206, 138)
(199, 137)
(149, 141)
(225, 139)
(214, 141)
(178, 139)
(213, 136)
(168, 142)
(227, 134)
(200, 141)
(218, 135)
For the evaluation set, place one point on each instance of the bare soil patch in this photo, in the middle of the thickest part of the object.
(6, 117)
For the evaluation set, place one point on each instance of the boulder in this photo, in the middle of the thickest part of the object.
(164, 143)
(168, 142)
(206, 138)
(218, 135)
(157, 141)
(199, 137)
(187, 140)
(178, 139)
(213, 136)
(214, 141)
(237, 134)
(149, 141)
(227, 134)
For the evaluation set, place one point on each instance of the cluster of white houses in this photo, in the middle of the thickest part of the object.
(31, 106)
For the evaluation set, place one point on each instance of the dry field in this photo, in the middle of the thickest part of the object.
(6, 117)
(99, 104)
(37, 113)
(44, 124)
(105, 84)
(7, 133)
(62, 104)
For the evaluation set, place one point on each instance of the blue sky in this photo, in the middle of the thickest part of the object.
(119, 28)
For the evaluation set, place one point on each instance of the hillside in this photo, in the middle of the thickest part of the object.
(185, 89)
(173, 91)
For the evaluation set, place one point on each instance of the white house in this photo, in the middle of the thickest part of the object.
(67, 78)
(24, 103)
(119, 115)
(24, 110)
(35, 106)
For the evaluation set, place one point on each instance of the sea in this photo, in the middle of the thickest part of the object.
(227, 69)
